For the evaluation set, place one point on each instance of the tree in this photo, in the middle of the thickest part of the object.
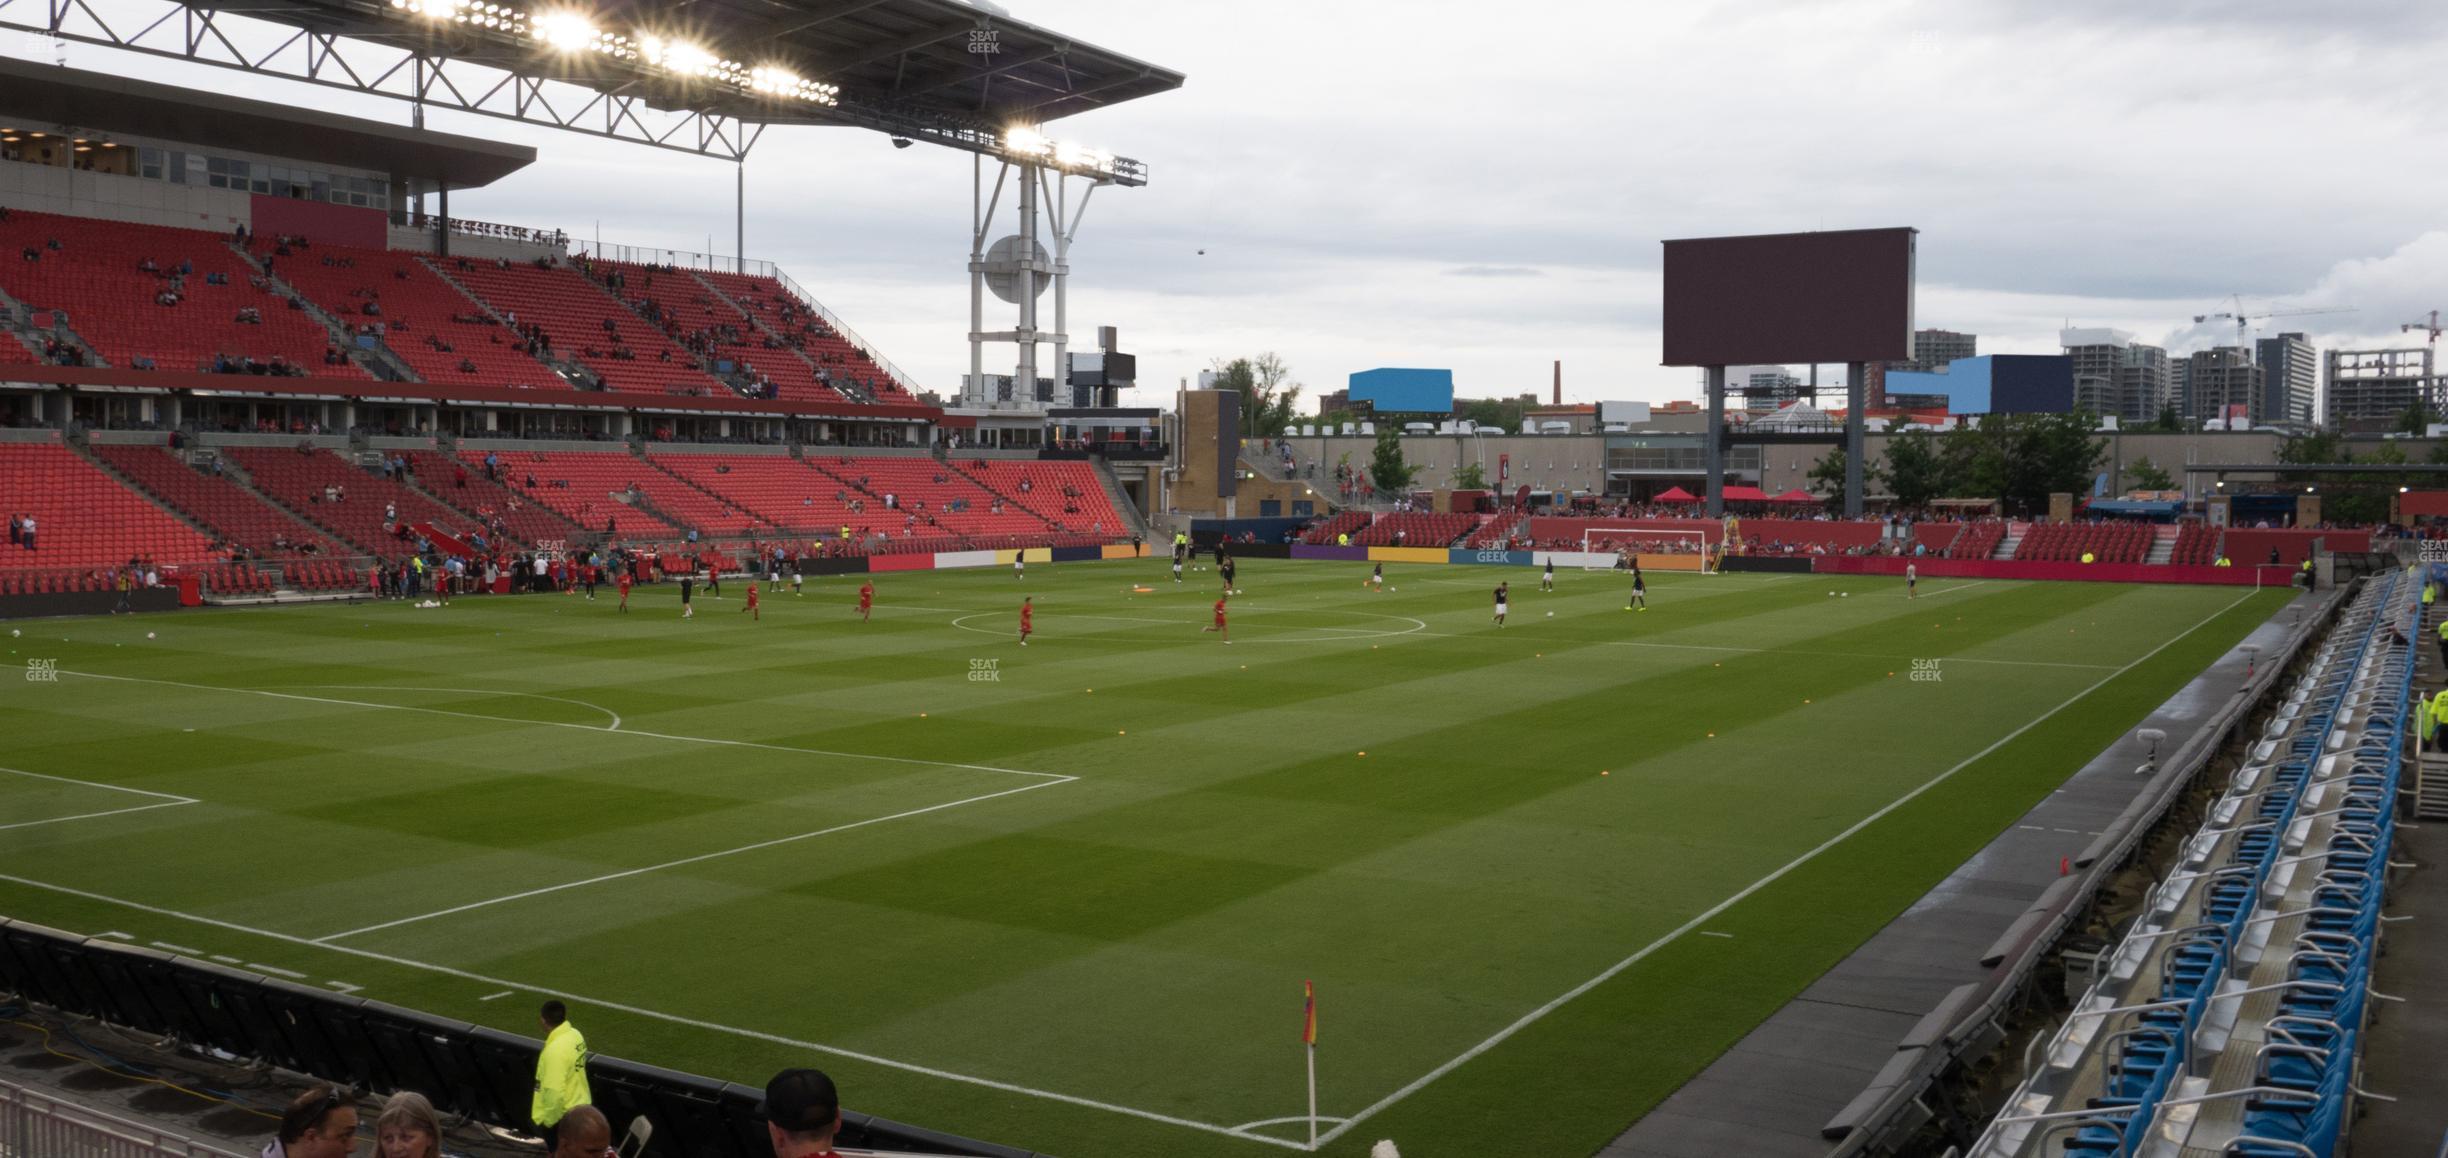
(1470, 477)
(1918, 469)
(1828, 477)
(2415, 420)
(2328, 446)
(1505, 413)
(2022, 459)
(2146, 475)
(2167, 422)
(1266, 401)
(2439, 453)
(1387, 470)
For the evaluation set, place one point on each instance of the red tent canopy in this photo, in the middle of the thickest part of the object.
(1734, 494)
(1794, 496)
(1676, 495)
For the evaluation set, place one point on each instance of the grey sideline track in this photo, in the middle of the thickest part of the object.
(1768, 1095)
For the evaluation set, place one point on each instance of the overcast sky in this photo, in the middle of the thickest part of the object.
(1483, 187)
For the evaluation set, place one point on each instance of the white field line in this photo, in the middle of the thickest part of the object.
(1049, 776)
(614, 726)
(654, 1014)
(689, 860)
(1535, 1015)
(165, 800)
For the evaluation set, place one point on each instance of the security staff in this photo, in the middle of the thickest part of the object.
(2443, 641)
(560, 1080)
(2438, 718)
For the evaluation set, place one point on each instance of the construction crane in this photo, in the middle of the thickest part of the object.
(2430, 324)
(2244, 321)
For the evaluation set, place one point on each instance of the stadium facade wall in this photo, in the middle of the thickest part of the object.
(2258, 575)
(111, 197)
(321, 221)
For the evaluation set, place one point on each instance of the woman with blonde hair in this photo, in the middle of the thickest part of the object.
(408, 1128)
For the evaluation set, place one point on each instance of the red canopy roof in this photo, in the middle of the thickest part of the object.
(1794, 496)
(1676, 495)
(1736, 494)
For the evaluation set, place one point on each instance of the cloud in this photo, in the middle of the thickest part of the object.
(2103, 162)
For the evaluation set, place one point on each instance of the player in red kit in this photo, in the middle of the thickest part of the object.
(621, 580)
(1218, 626)
(751, 606)
(1025, 611)
(866, 599)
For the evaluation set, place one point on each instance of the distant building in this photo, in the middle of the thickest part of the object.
(2369, 389)
(1992, 384)
(2290, 376)
(1935, 350)
(1391, 390)
(2113, 374)
(2224, 384)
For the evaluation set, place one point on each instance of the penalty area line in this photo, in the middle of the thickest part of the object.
(1536, 1015)
(673, 737)
(658, 1015)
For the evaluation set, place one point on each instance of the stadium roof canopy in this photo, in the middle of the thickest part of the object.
(105, 105)
(705, 75)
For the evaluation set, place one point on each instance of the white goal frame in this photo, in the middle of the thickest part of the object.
(1589, 536)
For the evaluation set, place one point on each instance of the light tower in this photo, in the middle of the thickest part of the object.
(1051, 183)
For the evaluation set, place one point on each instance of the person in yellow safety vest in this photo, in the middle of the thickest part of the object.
(2224, 561)
(2088, 557)
(560, 1080)
(1343, 540)
(2438, 718)
(2303, 574)
(2430, 594)
(845, 532)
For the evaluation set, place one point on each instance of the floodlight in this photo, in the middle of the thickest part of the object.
(1026, 141)
(1072, 154)
(565, 31)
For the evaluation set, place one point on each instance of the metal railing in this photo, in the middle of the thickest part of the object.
(463, 227)
(37, 1125)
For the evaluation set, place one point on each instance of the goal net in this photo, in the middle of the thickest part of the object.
(1622, 542)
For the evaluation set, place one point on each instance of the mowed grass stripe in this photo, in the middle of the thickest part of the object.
(1141, 939)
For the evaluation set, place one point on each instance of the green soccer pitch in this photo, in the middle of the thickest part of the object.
(1065, 896)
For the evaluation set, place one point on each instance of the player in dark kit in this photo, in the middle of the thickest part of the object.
(1640, 591)
(1502, 594)
(1227, 565)
(688, 592)
(1178, 552)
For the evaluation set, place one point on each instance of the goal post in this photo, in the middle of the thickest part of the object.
(1615, 541)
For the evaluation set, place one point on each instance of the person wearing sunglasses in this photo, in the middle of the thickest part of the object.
(319, 1123)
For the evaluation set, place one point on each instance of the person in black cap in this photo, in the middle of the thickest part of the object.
(802, 1112)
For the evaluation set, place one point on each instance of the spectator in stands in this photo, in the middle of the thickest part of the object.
(319, 1123)
(802, 1112)
(408, 1128)
(584, 1133)
(26, 537)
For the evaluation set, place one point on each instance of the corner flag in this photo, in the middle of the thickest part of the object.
(1308, 1014)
